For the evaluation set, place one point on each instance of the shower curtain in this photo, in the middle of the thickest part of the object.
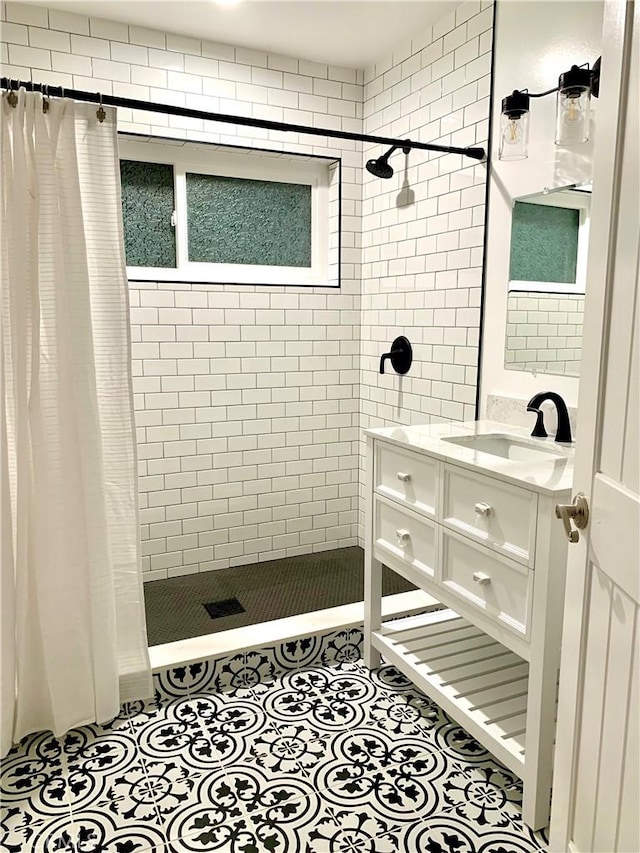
(73, 628)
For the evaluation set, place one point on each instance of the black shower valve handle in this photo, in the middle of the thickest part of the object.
(382, 360)
(401, 355)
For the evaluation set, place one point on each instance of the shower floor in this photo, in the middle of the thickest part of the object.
(275, 589)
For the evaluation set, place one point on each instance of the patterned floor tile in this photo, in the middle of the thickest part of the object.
(241, 836)
(246, 672)
(245, 806)
(95, 831)
(359, 775)
(295, 654)
(354, 832)
(294, 699)
(405, 713)
(94, 758)
(342, 648)
(288, 749)
(182, 680)
(229, 724)
(488, 795)
(23, 828)
(173, 733)
(33, 780)
(458, 745)
(345, 695)
(387, 677)
(292, 749)
(446, 832)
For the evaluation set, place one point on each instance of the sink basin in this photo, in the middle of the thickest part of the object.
(508, 447)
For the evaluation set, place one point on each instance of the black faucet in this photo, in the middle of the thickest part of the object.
(563, 433)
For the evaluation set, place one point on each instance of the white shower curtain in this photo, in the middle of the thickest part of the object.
(73, 628)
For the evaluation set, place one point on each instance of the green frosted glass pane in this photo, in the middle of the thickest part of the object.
(242, 221)
(147, 206)
(544, 243)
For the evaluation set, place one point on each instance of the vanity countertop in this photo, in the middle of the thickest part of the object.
(547, 476)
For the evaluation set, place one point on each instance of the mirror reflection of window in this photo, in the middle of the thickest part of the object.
(548, 265)
(554, 228)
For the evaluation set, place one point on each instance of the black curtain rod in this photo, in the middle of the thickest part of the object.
(149, 106)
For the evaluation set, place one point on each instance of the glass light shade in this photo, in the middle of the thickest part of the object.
(572, 116)
(514, 137)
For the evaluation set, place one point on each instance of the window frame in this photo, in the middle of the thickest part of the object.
(250, 163)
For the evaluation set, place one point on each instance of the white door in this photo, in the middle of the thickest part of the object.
(596, 794)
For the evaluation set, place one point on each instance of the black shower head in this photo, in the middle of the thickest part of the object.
(380, 167)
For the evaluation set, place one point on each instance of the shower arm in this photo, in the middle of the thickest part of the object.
(265, 124)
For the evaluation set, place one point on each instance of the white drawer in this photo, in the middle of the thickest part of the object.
(407, 477)
(406, 536)
(494, 513)
(500, 588)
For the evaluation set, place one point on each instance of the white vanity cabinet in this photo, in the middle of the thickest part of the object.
(479, 534)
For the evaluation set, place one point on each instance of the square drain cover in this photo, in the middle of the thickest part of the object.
(228, 607)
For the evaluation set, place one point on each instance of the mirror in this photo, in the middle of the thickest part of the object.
(547, 277)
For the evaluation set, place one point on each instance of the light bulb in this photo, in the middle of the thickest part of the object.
(514, 126)
(514, 137)
(514, 132)
(571, 110)
(572, 117)
(573, 105)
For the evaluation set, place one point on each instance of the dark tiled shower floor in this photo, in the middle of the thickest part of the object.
(272, 590)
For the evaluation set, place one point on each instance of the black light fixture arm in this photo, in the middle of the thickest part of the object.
(594, 78)
(541, 94)
(167, 109)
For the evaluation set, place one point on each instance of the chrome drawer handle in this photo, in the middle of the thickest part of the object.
(483, 509)
(481, 578)
(403, 536)
(404, 478)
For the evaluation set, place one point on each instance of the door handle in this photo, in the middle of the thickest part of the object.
(576, 512)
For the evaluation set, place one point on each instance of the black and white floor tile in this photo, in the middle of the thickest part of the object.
(295, 749)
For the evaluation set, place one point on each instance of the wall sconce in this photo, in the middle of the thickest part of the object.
(574, 89)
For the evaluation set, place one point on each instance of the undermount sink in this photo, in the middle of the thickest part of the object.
(508, 447)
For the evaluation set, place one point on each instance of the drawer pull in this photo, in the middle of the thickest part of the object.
(483, 509)
(403, 536)
(404, 478)
(481, 578)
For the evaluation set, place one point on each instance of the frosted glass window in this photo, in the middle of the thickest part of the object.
(240, 221)
(147, 207)
(544, 243)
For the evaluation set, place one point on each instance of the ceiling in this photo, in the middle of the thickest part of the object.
(352, 33)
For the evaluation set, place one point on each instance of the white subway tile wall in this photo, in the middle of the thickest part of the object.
(544, 332)
(246, 398)
(250, 401)
(423, 230)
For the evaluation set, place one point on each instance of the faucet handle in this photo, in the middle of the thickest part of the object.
(538, 431)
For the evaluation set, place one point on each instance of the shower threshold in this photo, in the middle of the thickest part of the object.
(236, 640)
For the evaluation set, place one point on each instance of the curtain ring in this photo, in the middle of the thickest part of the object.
(45, 98)
(12, 98)
(100, 113)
